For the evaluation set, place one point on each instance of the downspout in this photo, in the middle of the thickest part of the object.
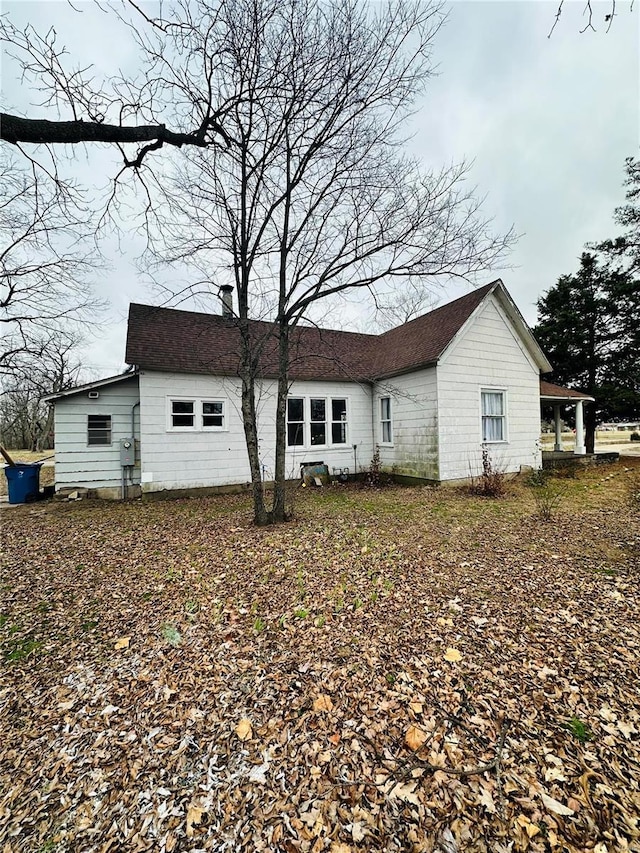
(133, 436)
(133, 419)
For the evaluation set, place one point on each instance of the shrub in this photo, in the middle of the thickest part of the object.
(635, 436)
(548, 497)
(374, 474)
(491, 483)
(537, 477)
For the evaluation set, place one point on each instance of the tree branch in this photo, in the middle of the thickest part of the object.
(15, 129)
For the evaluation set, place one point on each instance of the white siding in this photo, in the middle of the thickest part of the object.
(414, 417)
(193, 459)
(95, 466)
(487, 353)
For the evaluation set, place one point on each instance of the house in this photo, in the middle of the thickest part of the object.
(430, 394)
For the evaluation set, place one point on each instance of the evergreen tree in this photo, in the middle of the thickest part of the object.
(589, 327)
(626, 248)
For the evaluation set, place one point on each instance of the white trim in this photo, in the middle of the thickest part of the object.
(380, 420)
(99, 383)
(198, 425)
(328, 423)
(170, 413)
(201, 415)
(495, 389)
(524, 336)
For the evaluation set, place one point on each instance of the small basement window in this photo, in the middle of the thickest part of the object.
(99, 429)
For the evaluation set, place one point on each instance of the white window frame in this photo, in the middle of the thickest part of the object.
(344, 421)
(108, 429)
(171, 427)
(328, 422)
(223, 415)
(311, 422)
(295, 447)
(487, 389)
(382, 421)
(198, 414)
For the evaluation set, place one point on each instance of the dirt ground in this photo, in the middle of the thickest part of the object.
(403, 669)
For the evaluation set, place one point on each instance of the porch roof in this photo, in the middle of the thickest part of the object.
(550, 393)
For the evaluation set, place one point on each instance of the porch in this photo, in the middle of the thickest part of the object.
(558, 397)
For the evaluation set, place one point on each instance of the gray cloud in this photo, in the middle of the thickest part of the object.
(547, 122)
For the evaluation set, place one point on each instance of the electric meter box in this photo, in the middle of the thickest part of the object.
(127, 452)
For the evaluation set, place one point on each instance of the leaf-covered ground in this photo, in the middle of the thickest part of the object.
(405, 669)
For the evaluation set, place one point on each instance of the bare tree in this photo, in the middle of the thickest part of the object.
(609, 13)
(46, 266)
(315, 197)
(26, 422)
(110, 108)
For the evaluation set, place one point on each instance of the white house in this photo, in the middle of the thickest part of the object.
(430, 394)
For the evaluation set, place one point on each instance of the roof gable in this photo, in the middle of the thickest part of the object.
(92, 386)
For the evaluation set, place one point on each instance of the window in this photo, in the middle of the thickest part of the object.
(197, 415)
(318, 421)
(213, 414)
(295, 422)
(493, 416)
(338, 421)
(98, 429)
(385, 420)
(183, 414)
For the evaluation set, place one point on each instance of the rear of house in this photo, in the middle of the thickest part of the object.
(430, 394)
(91, 424)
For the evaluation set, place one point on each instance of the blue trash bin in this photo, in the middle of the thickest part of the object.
(23, 481)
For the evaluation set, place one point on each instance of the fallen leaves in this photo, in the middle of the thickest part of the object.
(194, 817)
(415, 738)
(442, 675)
(452, 655)
(322, 704)
(555, 806)
(244, 729)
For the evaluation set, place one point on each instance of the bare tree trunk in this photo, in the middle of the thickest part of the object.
(590, 413)
(250, 422)
(279, 511)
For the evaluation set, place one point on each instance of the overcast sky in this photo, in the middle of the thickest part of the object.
(548, 123)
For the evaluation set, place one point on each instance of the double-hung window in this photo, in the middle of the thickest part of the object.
(183, 414)
(494, 415)
(213, 414)
(386, 431)
(197, 415)
(316, 421)
(318, 426)
(338, 420)
(98, 429)
(295, 422)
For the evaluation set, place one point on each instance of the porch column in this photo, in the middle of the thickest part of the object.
(558, 425)
(580, 449)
